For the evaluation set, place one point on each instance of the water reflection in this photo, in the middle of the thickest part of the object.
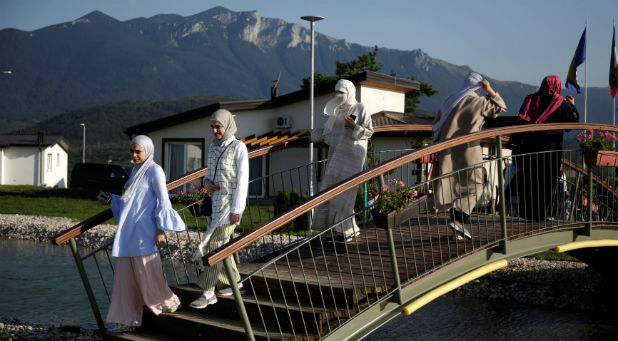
(40, 284)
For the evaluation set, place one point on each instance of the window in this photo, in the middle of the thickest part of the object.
(49, 162)
(182, 156)
(257, 168)
(58, 160)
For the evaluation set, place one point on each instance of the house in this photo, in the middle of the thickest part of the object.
(182, 140)
(39, 160)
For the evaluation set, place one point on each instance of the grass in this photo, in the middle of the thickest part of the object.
(80, 204)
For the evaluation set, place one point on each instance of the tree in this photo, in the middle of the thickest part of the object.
(364, 62)
(367, 62)
(414, 98)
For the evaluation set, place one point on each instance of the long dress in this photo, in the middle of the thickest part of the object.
(533, 193)
(347, 149)
(461, 191)
(138, 275)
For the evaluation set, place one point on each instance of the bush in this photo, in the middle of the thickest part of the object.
(283, 202)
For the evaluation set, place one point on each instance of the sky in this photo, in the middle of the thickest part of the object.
(509, 40)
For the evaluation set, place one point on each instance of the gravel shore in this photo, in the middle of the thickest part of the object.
(568, 285)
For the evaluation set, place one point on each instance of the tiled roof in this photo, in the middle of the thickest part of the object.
(270, 138)
(7, 140)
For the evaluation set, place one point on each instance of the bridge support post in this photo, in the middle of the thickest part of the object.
(391, 246)
(503, 242)
(86, 282)
(238, 300)
(588, 228)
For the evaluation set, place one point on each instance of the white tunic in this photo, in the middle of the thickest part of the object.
(346, 155)
(233, 180)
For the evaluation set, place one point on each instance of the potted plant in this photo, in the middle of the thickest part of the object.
(189, 198)
(392, 204)
(597, 148)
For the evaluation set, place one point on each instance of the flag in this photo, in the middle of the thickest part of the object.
(578, 58)
(613, 65)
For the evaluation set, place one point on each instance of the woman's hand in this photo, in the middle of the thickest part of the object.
(234, 218)
(349, 122)
(160, 238)
(487, 87)
(570, 99)
(211, 187)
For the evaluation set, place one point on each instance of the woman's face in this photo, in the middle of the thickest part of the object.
(138, 155)
(217, 129)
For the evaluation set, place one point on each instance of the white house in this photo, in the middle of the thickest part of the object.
(38, 160)
(182, 140)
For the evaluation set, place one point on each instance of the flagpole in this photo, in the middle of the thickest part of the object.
(586, 76)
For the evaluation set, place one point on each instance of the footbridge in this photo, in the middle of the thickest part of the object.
(301, 285)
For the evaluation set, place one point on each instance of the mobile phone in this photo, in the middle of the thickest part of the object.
(353, 117)
(104, 197)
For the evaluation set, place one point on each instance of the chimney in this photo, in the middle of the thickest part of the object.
(274, 91)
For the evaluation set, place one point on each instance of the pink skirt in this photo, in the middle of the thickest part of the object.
(139, 281)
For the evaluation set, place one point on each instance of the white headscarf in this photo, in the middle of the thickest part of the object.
(471, 87)
(348, 98)
(140, 169)
(227, 121)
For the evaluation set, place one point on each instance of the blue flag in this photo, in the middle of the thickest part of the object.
(578, 58)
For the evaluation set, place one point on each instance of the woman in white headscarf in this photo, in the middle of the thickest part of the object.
(228, 181)
(346, 133)
(463, 112)
(143, 212)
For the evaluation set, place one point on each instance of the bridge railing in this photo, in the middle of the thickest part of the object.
(359, 278)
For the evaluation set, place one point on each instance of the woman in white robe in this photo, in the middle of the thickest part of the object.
(346, 133)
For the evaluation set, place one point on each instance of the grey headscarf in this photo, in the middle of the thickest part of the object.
(140, 169)
(227, 121)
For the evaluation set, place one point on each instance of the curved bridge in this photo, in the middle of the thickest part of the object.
(301, 285)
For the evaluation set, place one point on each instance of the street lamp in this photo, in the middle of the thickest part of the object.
(312, 19)
(83, 143)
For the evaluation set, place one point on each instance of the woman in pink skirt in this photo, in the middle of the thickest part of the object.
(143, 212)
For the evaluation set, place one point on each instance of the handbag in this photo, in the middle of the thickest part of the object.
(206, 205)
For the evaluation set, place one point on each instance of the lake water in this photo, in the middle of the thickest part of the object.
(39, 283)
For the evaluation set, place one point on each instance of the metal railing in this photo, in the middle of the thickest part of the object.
(312, 285)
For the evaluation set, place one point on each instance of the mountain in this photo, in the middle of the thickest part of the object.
(97, 59)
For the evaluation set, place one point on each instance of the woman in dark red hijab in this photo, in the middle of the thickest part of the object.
(538, 174)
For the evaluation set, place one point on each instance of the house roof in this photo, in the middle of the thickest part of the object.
(8, 140)
(368, 78)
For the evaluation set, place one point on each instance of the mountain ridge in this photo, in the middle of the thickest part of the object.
(97, 59)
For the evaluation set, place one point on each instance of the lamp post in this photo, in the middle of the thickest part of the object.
(83, 143)
(312, 19)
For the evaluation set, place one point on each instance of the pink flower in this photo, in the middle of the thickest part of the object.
(385, 188)
(203, 190)
(181, 192)
(401, 184)
(192, 187)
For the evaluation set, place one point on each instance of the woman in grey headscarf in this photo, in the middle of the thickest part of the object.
(228, 181)
(143, 212)
(463, 112)
(346, 133)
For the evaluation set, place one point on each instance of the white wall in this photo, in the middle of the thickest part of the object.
(377, 99)
(57, 177)
(21, 166)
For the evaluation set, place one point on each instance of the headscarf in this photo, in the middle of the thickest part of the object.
(227, 121)
(348, 98)
(550, 90)
(140, 169)
(471, 87)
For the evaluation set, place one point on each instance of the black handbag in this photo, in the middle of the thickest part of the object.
(206, 205)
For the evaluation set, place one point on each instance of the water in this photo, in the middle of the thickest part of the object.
(39, 283)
